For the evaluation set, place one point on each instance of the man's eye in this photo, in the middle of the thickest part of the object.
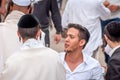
(71, 37)
(65, 36)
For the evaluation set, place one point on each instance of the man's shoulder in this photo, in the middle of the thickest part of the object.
(3, 24)
(116, 54)
(91, 61)
(62, 55)
(31, 53)
(40, 51)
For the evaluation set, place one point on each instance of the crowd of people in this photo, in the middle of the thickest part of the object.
(88, 26)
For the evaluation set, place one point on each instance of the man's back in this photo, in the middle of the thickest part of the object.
(9, 40)
(34, 64)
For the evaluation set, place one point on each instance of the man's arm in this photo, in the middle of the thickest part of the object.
(112, 7)
(55, 14)
(97, 72)
(3, 9)
(104, 11)
(56, 18)
(113, 72)
(106, 3)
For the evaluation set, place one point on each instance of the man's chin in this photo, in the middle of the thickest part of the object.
(67, 51)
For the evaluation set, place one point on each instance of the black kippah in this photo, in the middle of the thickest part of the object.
(114, 29)
(28, 21)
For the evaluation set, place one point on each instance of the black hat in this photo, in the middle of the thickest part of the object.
(28, 21)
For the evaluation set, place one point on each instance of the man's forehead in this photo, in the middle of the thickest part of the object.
(72, 31)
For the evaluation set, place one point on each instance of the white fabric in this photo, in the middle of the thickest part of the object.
(42, 39)
(22, 2)
(108, 49)
(31, 43)
(34, 62)
(89, 69)
(115, 14)
(87, 13)
(9, 41)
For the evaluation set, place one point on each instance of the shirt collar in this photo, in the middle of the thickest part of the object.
(78, 68)
(112, 51)
(85, 58)
(32, 43)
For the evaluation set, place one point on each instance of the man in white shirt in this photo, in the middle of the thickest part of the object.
(87, 13)
(79, 66)
(34, 61)
(112, 37)
(9, 42)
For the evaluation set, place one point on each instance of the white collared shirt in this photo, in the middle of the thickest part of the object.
(90, 69)
(32, 43)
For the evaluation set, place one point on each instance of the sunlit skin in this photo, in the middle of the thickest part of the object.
(72, 40)
(73, 48)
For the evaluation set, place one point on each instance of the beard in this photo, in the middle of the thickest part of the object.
(68, 51)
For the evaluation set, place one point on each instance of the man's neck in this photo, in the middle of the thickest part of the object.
(23, 9)
(73, 59)
(115, 44)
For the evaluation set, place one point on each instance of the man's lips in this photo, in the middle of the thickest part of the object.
(66, 45)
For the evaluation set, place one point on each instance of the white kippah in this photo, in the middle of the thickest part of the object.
(22, 2)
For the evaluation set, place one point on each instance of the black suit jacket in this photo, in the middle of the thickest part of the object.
(113, 72)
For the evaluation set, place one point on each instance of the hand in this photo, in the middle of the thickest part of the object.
(3, 11)
(104, 69)
(57, 38)
(113, 8)
(106, 3)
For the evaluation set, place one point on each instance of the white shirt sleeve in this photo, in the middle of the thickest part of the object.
(97, 73)
(65, 15)
(103, 11)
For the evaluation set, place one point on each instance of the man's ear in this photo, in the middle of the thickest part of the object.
(106, 38)
(18, 34)
(82, 42)
(38, 34)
